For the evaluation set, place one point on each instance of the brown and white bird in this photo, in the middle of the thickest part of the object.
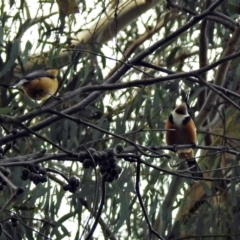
(40, 84)
(184, 132)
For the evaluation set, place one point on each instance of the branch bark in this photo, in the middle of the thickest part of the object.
(103, 30)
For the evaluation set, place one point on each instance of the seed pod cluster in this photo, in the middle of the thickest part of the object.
(106, 161)
(86, 160)
(73, 184)
(36, 174)
(108, 165)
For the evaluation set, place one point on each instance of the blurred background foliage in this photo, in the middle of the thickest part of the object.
(96, 38)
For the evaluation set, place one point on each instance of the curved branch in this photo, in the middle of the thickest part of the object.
(98, 215)
(151, 230)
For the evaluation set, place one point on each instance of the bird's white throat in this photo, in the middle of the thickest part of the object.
(178, 118)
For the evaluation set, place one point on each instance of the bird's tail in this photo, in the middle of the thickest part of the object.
(192, 164)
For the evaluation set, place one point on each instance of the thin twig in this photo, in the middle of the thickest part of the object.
(104, 226)
(89, 236)
(151, 230)
(80, 121)
(96, 195)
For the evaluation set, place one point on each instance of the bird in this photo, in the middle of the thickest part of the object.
(40, 84)
(182, 130)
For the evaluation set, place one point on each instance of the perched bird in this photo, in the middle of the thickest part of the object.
(40, 84)
(183, 132)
